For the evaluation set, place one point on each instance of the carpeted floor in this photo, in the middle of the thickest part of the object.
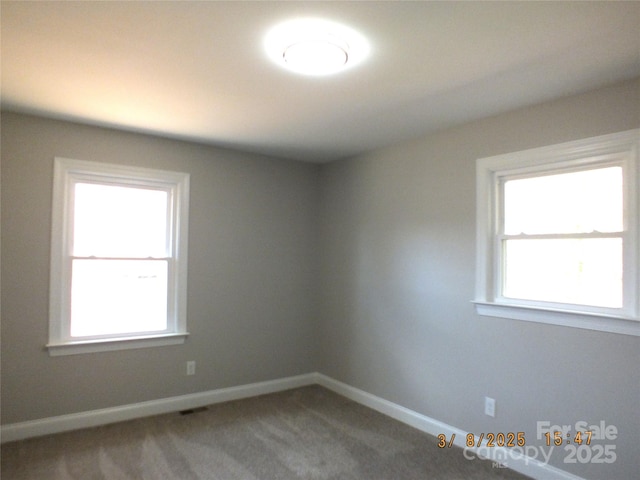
(307, 433)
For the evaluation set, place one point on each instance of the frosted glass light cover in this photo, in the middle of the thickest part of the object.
(315, 57)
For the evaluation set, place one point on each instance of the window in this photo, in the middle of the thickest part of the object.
(558, 234)
(118, 257)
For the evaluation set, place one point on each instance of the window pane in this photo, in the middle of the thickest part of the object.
(114, 221)
(577, 202)
(118, 296)
(575, 271)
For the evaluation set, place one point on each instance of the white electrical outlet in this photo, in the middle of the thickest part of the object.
(489, 406)
(191, 367)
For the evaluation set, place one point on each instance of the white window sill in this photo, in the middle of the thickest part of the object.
(566, 318)
(113, 344)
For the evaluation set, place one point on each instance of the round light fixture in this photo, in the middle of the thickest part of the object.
(315, 47)
(315, 57)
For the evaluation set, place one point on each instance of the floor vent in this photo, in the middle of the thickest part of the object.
(192, 410)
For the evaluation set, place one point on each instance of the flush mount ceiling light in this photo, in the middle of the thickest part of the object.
(312, 46)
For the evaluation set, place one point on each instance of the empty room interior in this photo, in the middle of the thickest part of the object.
(408, 233)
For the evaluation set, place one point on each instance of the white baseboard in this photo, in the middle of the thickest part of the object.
(509, 457)
(46, 426)
(94, 418)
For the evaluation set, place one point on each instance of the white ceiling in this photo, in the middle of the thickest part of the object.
(197, 70)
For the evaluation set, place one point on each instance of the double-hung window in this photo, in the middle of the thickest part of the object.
(118, 257)
(558, 234)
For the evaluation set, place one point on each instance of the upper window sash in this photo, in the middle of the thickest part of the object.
(616, 149)
(155, 240)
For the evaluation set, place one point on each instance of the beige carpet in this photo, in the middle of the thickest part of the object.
(306, 433)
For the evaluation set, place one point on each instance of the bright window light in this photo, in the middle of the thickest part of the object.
(317, 47)
(118, 257)
(571, 271)
(585, 270)
(558, 231)
(576, 202)
(119, 221)
(111, 295)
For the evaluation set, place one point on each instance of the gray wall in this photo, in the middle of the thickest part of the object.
(398, 230)
(252, 272)
(362, 269)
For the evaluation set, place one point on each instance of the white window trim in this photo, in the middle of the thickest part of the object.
(66, 172)
(623, 147)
